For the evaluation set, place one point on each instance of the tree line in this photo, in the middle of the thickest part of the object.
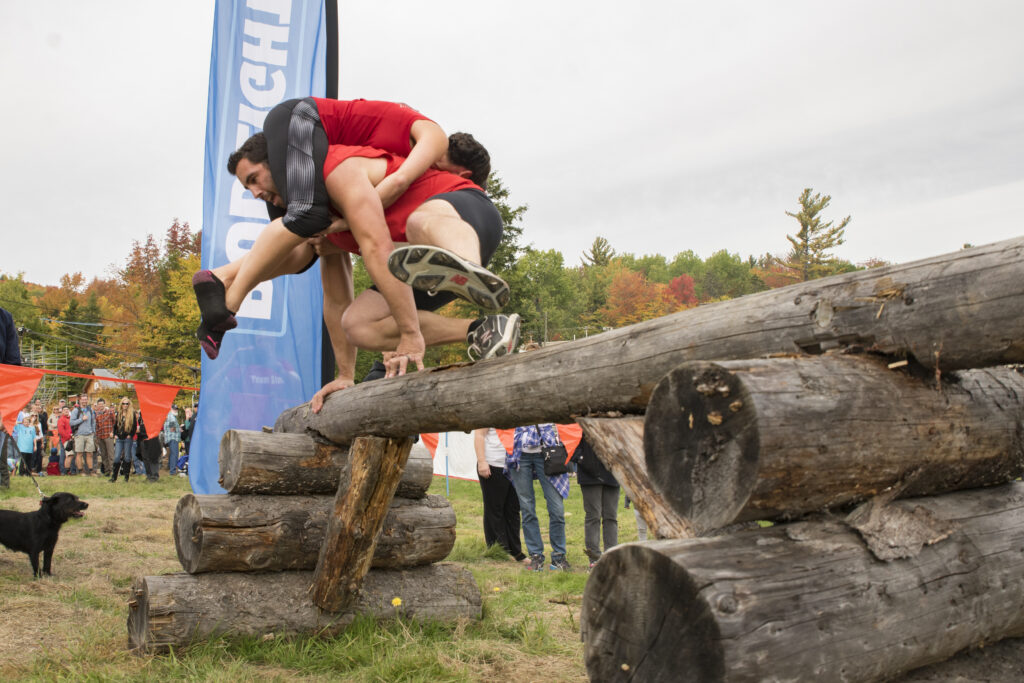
(142, 316)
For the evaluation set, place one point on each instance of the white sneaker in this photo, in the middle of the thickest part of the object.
(496, 336)
(433, 269)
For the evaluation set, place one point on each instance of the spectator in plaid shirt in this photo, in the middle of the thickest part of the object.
(104, 435)
(525, 464)
(172, 435)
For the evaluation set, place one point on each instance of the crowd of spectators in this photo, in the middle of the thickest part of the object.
(80, 437)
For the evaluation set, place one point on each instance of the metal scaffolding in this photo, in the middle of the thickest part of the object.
(51, 387)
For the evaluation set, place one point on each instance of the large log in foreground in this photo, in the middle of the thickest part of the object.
(357, 516)
(174, 609)
(272, 533)
(762, 439)
(284, 464)
(807, 601)
(959, 310)
(619, 443)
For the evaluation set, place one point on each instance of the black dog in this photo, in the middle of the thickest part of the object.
(35, 532)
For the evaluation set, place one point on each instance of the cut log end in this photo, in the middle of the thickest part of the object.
(188, 532)
(698, 434)
(629, 617)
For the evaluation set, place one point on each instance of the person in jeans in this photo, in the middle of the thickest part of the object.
(104, 436)
(525, 464)
(172, 436)
(125, 427)
(600, 501)
(501, 503)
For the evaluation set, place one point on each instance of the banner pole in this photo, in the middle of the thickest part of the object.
(327, 367)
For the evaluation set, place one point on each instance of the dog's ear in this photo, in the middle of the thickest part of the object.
(44, 500)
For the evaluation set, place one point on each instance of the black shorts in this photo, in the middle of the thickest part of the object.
(475, 208)
(296, 151)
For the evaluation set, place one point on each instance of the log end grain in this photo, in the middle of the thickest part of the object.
(643, 619)
(188, 532)
(700, 436)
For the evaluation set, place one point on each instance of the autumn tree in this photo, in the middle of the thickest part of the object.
(632, 299)
(810, 256)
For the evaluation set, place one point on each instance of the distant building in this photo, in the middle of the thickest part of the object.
(126, 371)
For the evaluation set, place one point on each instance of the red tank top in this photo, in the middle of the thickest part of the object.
(426, 186)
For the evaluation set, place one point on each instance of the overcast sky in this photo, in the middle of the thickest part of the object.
(661, 126)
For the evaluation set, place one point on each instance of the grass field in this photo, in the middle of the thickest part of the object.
(72, 626)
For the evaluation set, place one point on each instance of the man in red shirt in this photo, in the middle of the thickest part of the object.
(442, 214)
(297, 134)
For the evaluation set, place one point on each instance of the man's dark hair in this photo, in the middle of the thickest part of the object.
(464, 150)
(254, 149)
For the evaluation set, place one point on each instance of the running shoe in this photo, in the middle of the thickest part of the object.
(496, 335)
(560, 564)
(433, 270)
(535, 564)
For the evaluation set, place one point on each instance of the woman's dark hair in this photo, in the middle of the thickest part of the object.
(464, 150)
(254, 149)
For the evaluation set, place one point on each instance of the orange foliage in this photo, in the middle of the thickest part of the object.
(632, 299)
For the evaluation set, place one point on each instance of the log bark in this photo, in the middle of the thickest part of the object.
(364, 495)
(763, 439)
(619, 443)
(960, 310)
(284, 464)
(274, 533)
(175, 609)
(807, 601)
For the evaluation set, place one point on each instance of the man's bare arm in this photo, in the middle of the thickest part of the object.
(350, 186)
(336, 276)
(431, 144)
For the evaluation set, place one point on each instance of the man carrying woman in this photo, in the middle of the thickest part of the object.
(375, 163)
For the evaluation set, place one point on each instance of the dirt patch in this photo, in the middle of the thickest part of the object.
(93, 564)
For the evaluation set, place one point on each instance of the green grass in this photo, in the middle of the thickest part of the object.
(529, 630)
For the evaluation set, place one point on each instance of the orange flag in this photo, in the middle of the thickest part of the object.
(155, 401)
(430, 441)
(17, 385)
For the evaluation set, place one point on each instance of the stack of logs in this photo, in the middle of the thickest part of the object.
(249, 555)
(859, 389)
(861, 397)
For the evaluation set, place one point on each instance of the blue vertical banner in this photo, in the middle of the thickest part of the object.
(264, 52)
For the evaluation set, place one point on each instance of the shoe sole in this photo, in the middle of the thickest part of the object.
(433, 269)
(508, 341)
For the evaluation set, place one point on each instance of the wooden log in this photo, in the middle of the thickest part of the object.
(284, 464)
(367, 486)
(619, 443)
(175, 609)
(763, 439)
(807, 601)
(960, 310)
(274, 533)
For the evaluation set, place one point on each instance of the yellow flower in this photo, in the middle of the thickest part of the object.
(396, 602)
(497, 589)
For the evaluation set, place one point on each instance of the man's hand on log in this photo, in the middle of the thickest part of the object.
(317, 401)
(410, 350)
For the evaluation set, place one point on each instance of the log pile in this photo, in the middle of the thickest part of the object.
(870, 417)
(898, 536)
(251, 555)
